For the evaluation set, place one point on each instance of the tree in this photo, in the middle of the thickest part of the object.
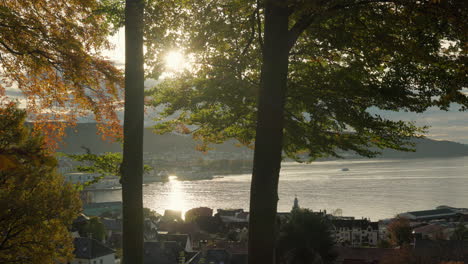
(49, 50)
(106, 164)
(320, 70)
(194, 213)
(460, 233)
(384, 243)
(132, 164)
(36, 206)
(150, 214)
(305, 238)
(400, 231)
(94, 228)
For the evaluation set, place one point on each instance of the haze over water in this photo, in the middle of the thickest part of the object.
(375, 189)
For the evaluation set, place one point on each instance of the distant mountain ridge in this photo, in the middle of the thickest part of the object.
(85, 134)
(429, 148)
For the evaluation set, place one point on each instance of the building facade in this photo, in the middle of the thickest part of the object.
(355, 233)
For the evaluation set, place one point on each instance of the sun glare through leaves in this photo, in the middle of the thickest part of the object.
(175, 61)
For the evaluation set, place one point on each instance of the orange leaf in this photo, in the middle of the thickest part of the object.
(7, 162)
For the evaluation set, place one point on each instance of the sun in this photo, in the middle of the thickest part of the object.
(175, 61)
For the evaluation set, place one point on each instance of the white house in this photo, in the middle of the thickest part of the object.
(355, 233)
(91, 251)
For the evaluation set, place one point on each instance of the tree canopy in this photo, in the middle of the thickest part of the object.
(460, 232)
(106, 164)
(400, 231)
(49, 51)
(36, 206)
(193, 214)
(305, 238)
(94, 228)
(347, 60)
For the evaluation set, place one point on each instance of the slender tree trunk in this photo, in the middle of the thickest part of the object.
(132, 165)
(269, 135)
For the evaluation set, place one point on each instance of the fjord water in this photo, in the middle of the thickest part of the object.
(374, 188)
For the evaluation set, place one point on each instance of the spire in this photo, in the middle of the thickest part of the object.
(296, 203)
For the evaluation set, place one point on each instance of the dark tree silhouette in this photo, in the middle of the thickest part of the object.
(400, 231)
(132, 164)
(305, 238)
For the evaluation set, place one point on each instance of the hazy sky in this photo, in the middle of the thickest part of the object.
(451, 125)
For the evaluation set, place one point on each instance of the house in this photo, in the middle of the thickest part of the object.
(113, 229)
(166, 252)
(98, 209)
(200, 239)
(355, 233)
(183, 240)
(430, 231)
(235, 218)
(91, 251)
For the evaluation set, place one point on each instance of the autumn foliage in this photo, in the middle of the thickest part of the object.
(36, 206)
(49, 53)
(400, 231)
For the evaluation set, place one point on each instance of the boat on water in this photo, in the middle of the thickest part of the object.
(344, 169)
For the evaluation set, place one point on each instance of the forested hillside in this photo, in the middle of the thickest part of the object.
(84, 134)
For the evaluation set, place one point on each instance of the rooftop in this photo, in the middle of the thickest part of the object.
(428, 229)
(180, 239)
(162, 252)
(428, 213)
(88, 248)
(361, 223)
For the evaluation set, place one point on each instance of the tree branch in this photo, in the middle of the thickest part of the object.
(302, 24)
(252, 33)
(259, 26)
(308, 18)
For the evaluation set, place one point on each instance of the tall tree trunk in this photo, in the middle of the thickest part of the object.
(269, 135)
(132, 165)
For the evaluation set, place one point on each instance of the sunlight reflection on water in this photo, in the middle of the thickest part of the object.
(375, 189)
(176, 195)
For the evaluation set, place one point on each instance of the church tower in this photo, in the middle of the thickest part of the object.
(296, 203)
